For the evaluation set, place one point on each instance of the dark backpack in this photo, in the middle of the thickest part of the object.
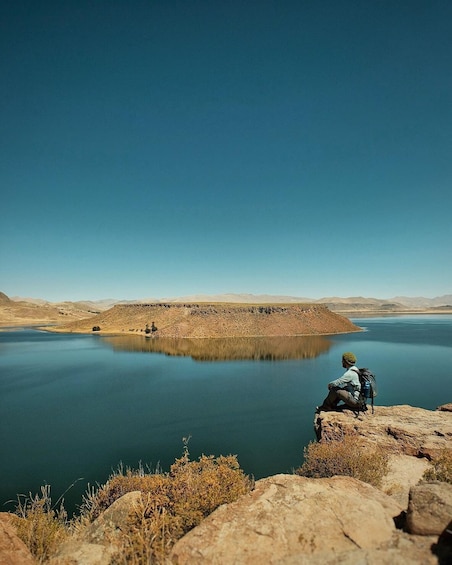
(368, 388)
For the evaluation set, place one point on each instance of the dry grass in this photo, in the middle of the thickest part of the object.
(441, 469)
(345, 457)
(39, 525)
(171, 504)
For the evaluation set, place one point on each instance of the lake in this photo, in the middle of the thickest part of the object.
(73, 407)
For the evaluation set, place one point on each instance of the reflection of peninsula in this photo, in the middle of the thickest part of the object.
(222, 349)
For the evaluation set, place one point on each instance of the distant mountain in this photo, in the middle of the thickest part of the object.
(237, 298)
(421, 302)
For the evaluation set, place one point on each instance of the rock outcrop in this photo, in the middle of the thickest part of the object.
(400, 429)
(411, 436)
(175, 320)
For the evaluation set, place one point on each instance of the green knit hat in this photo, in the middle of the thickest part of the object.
(349, 357)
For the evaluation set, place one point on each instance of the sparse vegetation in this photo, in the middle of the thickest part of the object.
(441, 469)
(39, 525)
(344, 457)
(171, 504)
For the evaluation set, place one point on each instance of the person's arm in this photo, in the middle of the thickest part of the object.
(341, 382)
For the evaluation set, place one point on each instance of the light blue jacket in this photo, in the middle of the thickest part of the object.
(349, 381)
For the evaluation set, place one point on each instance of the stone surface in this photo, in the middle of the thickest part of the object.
(75, 552)
(405, 471)
(13, 551)
(429, 508)
(400, 429)
(97, 544)
(108, 526)
(288, 516)
(445, 407)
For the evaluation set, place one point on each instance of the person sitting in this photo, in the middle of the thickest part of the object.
(345, 388)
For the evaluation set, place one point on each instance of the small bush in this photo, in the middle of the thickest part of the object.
(172, 503)
(344, 457)
(39, 526)
(441, 469)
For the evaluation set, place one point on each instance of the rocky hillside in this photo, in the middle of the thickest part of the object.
(16, 313)
(216, 320)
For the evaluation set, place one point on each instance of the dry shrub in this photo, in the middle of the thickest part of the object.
(171, 504)
(122, 481)
(39, 525)
(441, 469)
(345, 457)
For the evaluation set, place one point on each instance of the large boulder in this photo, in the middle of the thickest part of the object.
(288, 518)
(98, 543)
(429, 508)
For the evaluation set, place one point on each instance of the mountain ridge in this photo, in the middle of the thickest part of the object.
(105, 303)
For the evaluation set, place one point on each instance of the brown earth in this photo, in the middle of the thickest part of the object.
(21, 313)
(215, 320)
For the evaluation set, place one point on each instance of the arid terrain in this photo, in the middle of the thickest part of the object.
(24, 312)
(214, 320)
(219, 316)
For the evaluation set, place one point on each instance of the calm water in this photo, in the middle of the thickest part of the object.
(74, 407)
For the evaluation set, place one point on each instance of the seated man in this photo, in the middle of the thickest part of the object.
(345, 388)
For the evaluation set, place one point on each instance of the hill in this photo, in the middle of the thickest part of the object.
(198, 320)
(14, 313)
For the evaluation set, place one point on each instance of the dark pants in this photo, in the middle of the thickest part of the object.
(336, 395)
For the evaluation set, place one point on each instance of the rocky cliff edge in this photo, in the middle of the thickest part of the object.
(289, 519)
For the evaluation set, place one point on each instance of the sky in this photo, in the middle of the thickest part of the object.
(170, 148)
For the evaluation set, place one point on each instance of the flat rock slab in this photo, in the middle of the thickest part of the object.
(287, 516)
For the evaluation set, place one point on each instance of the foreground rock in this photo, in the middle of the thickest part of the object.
(13, 551)
(293, 520)
(98, 543)
(429, 508)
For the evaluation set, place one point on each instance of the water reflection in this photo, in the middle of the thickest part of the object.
(222, 349)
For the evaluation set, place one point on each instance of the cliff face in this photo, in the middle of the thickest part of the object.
(217, 320)
(399, 429)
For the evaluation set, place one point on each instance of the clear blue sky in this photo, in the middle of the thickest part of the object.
(167, 148)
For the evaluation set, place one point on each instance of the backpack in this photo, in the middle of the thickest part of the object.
(368, 388)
